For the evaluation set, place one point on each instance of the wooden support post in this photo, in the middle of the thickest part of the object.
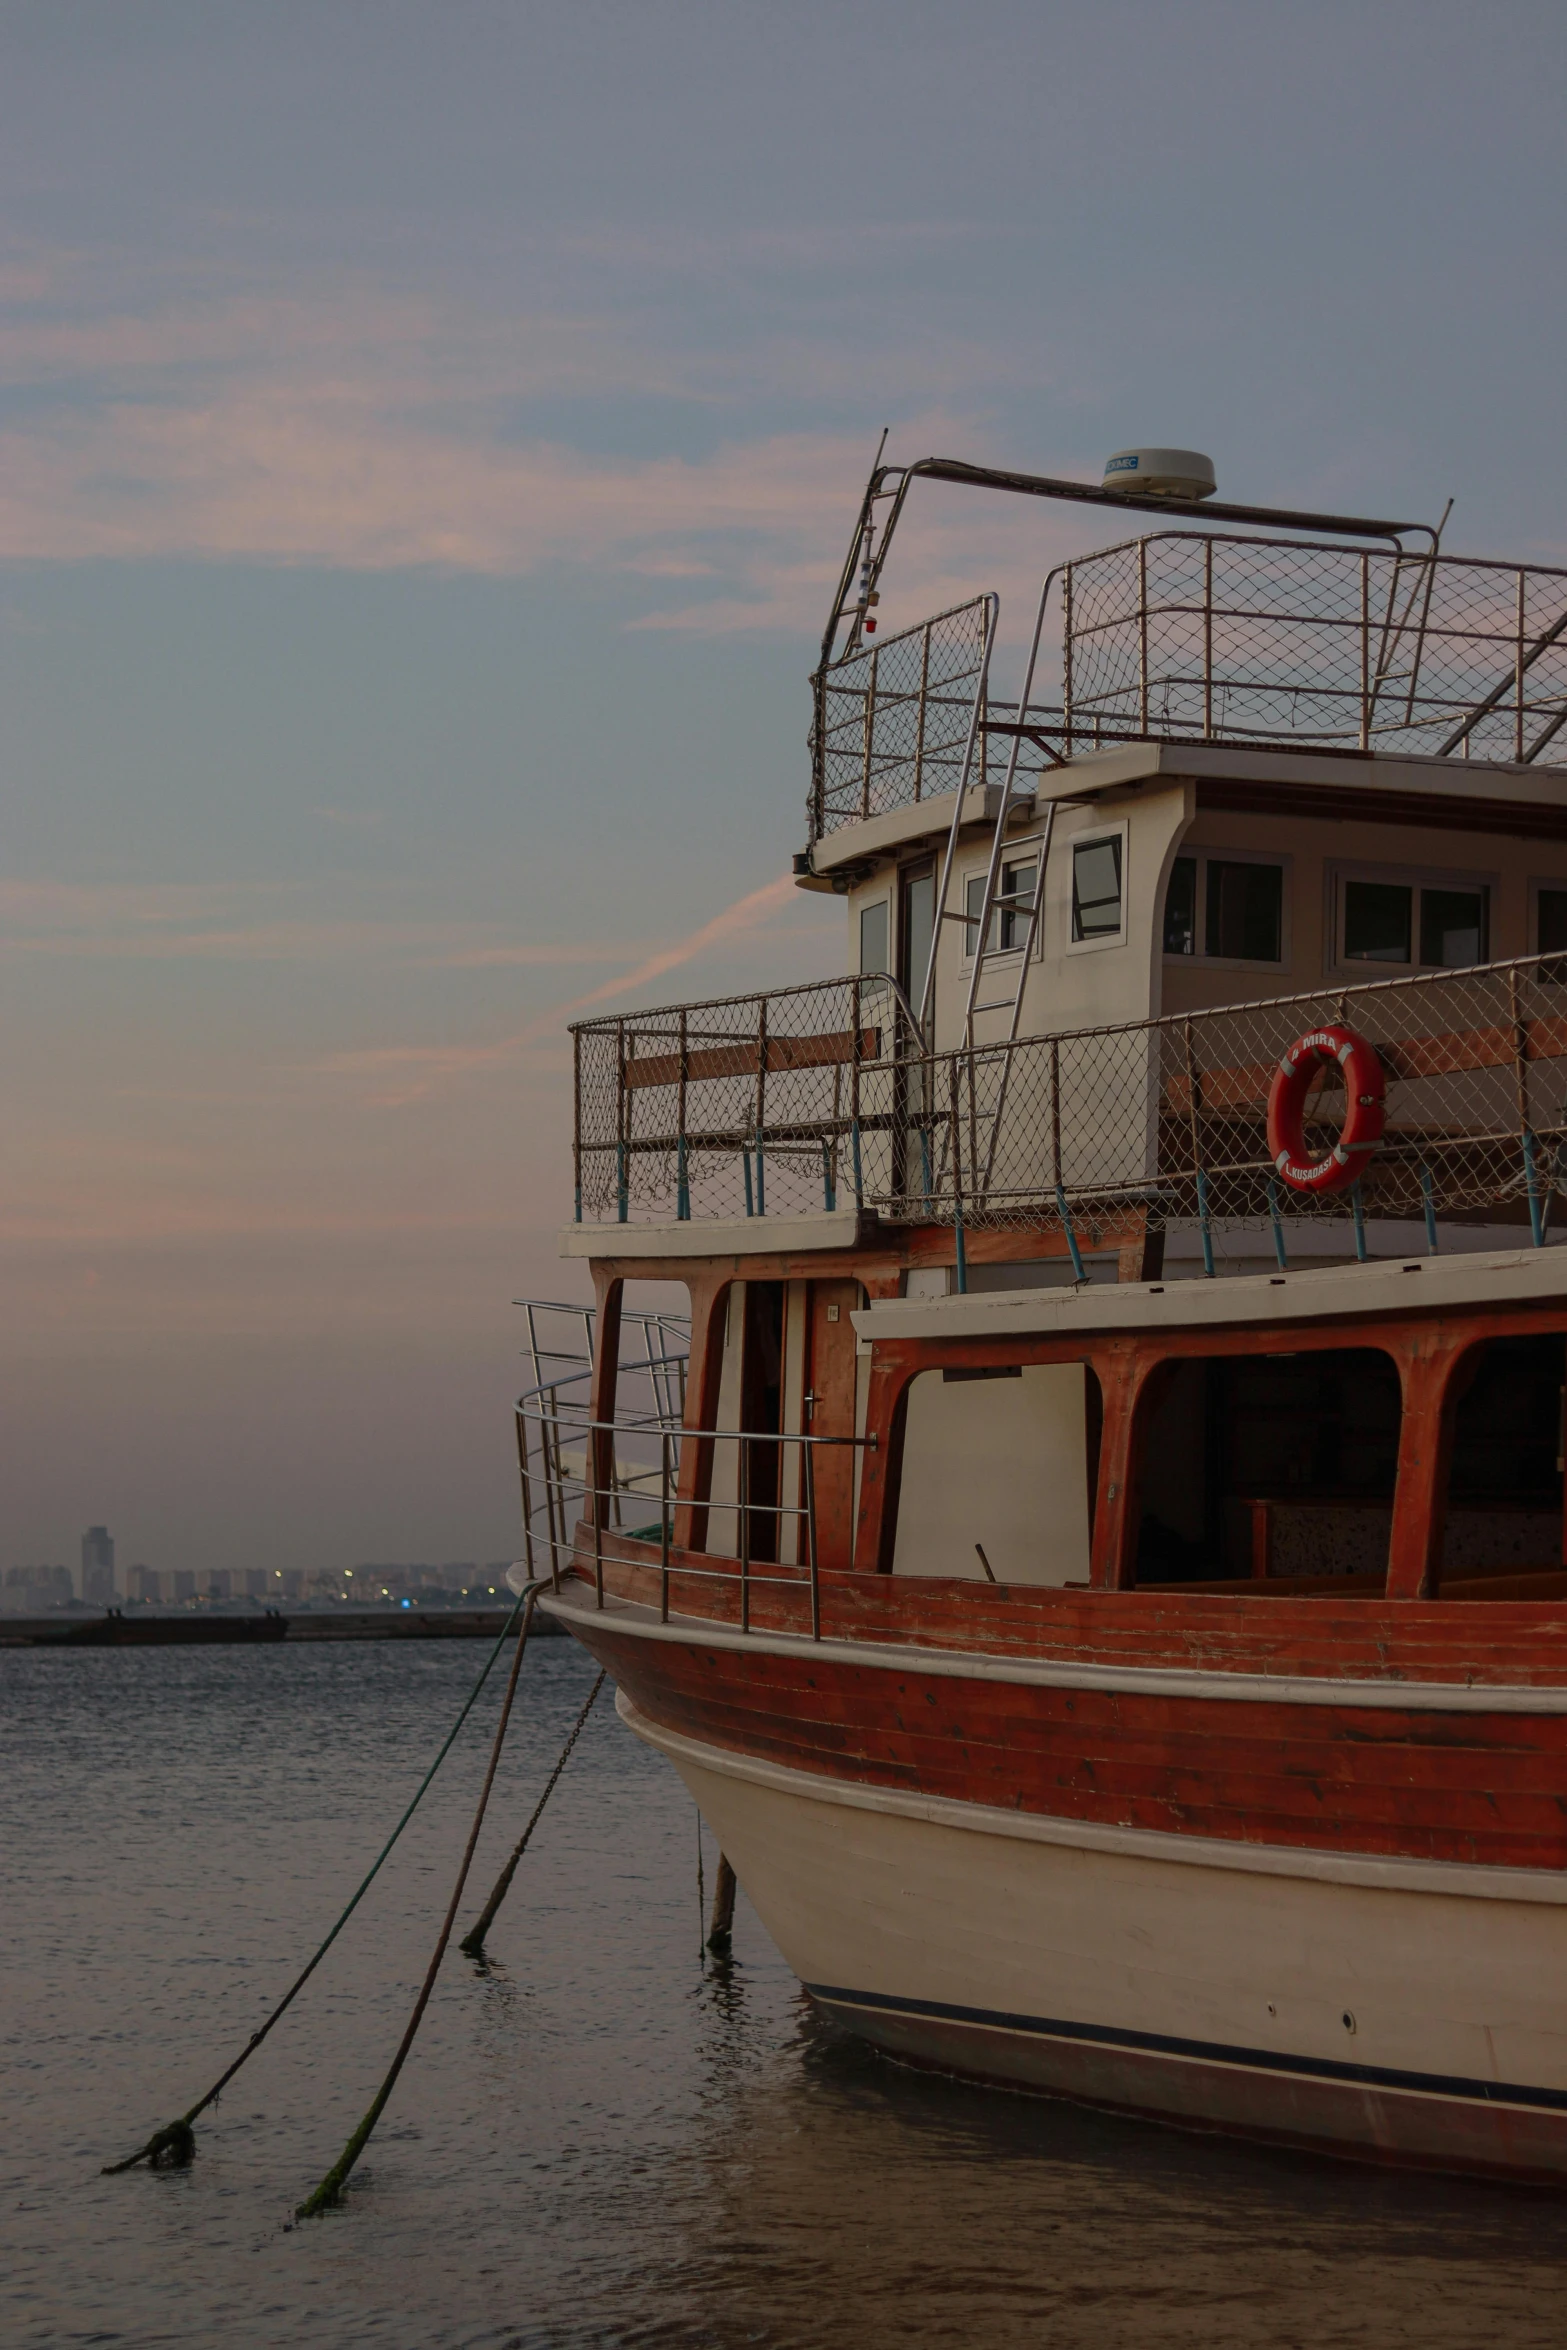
(709, 1294)
(1130, 1385)
(608, 1290)
(1434, 1374)
(1141, 1258)
(881, 1467)
(722, 1927)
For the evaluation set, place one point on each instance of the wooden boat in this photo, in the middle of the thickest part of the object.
(1094, 1548)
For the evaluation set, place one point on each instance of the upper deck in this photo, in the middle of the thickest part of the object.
(1284, 781)
(1187, 637)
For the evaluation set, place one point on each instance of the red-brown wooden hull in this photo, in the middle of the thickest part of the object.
(1143, 1735)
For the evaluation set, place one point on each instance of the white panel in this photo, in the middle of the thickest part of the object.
(997, 1461)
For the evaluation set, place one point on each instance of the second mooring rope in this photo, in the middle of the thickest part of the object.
(331, 2187)
(174, 2145)
(472, 1943)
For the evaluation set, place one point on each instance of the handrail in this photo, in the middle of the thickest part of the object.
(562, 1487)
(1104, 1115)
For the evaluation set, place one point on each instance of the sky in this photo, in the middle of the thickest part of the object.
(429, 434)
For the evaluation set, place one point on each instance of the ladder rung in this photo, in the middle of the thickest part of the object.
(1001, 1004)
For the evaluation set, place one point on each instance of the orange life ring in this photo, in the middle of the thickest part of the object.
(1363, 1123)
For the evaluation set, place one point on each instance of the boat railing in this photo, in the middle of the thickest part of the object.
(815, 1098)
(1197, 636)
(621, 1476)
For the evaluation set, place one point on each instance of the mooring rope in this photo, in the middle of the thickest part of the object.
(175, 2143)
(331, 2187)
(472, 1943)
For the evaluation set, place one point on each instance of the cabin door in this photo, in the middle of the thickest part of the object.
(829, 1411)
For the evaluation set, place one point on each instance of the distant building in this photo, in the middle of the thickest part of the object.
(98, 1566)
(143, 1583)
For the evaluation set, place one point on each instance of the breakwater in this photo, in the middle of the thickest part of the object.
(199, 1629)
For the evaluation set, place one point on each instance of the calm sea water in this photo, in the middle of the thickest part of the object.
(598, 2139)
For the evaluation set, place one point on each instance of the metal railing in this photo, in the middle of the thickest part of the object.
(1203, 637)
(1163, 1118)
(563, 1488)
(740, 1106)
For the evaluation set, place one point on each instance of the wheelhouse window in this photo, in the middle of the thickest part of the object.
(1096, 889)
(1225, 909)
(1428, 922)
(875, 945)
(1550, 918)
(1009, 916)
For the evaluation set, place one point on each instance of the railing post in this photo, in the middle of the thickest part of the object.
(1067, 649)
(857, 992)
(1142, 636)
(954, 1092)
(870, 735)
(810, 1538)
(1208, 640)
(743, 1494)
(663, 1526)
(919, 735)
(1365, 652)
(622, 1127)
(576, 1121)
(682, 1170)
(1518, 671)
(761, 1105)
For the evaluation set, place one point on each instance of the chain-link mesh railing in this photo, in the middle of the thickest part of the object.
(1194, 636)
(1242, 639)
(1164, 1117)
(747, 1105)
(892, 720)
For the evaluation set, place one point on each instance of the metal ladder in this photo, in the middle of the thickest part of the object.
(998, 901)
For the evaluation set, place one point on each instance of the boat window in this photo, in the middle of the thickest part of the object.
(1271, 1467)
(1504, 1491)
(1376, 922)
(1453, 927)
(917, 930)
(1180, 908)
(873, 938)
(1245, 911)
(1226, 909)
(1550, 919)
(1096, 888)
(1430, 922)
(1009, 919)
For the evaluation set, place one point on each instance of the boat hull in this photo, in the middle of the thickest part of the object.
(1403, 2011)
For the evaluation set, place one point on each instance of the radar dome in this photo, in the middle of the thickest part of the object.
(1161, 473)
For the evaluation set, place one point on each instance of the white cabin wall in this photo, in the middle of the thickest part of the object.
(1314, 845)
(1069, 985)
(997, 1461)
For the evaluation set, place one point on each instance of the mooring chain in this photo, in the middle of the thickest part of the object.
(472, 1943)
(174, 2145)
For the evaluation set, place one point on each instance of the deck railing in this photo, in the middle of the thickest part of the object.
(825, 1097)
(622, 1475)
(1202, 637)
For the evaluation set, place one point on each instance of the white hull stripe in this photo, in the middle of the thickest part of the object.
(623, 1616)
(1252, 2060)
(1372, 1870)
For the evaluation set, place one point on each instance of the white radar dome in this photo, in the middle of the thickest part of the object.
(1161, 473)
